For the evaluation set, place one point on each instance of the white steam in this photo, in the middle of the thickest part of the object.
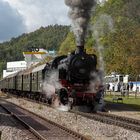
(80, 15)
(95, 82)
(102, 27)
(63, 107)
(51, 86)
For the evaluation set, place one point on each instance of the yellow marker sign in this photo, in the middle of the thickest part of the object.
(34, 52)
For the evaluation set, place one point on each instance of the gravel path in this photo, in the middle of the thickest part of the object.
(90, 128)
(123, 110)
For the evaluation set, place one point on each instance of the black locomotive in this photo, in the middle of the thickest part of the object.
(74, 75)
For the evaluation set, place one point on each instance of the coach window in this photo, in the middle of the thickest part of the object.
(33, 77)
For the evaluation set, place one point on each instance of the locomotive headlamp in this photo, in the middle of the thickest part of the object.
(82, 71)
(83, 58)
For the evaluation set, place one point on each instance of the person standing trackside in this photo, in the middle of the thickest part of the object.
(127, 89)
(131, 86)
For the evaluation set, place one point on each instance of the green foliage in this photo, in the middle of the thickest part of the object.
(121, 46)
(121, 51)
(68, 45)
(48, 38)
(2, 66)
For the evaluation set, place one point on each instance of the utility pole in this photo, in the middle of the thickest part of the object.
(0, 134)
(137, 77)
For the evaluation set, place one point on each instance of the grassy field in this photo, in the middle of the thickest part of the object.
(130, 100)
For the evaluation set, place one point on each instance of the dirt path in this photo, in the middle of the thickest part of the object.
(123, 110)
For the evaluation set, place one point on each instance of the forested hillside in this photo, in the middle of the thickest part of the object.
(48, 38)
(118, 23)
(121, 44)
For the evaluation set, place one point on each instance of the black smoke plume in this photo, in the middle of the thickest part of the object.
(80, 15)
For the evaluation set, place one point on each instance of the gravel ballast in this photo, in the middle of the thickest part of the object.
(90, 128)
(11, 129)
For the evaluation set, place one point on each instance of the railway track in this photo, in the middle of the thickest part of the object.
(127, 123)
(42, 128)
(13, 128)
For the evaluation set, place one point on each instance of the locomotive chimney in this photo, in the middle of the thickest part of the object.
(80, 49)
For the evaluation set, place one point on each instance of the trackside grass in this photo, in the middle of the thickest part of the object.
(131, 100)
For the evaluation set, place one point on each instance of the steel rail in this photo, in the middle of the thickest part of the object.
(72, 133)
(124, 122)
(32, 130)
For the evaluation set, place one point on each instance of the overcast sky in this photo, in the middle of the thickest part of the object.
(20, 16)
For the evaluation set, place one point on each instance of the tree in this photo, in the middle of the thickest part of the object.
(121, 51)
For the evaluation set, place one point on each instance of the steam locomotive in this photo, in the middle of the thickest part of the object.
(74, 74)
